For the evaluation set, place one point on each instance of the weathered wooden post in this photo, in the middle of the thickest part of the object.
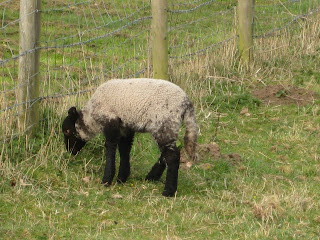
(159, 38)
(245, 30)
(28, 75)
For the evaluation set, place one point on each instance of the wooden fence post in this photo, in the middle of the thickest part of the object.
(245, 30)
(28, 75)
(159, 38)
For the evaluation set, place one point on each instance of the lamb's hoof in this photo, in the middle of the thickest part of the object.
(152, 178)
(167, 193)
(121, 181)
(148, 179)
(106, 184)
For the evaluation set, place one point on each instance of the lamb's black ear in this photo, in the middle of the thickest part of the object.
(73, 114)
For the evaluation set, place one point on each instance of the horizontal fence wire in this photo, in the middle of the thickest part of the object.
(77, 43)
(85, 42)
(201, 27)
(192, 9)
(293, 19)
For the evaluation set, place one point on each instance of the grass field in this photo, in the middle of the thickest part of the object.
(271, 192)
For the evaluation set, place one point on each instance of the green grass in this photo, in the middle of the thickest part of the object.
(272, 193)
(51, 198)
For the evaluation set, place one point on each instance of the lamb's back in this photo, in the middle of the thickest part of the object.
(138, 101)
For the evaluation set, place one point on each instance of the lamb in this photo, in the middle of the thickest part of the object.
(118, 109)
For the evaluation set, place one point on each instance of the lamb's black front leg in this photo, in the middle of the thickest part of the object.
(125, 144)
(112, 135)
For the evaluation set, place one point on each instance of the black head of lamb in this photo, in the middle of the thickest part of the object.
(71, 139)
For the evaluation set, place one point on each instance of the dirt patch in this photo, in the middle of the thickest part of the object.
(233, 158)
(284, 95)
(211, 150)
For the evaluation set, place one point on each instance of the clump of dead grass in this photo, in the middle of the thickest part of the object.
(268, 209)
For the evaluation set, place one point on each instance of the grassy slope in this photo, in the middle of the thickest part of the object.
(272, 193)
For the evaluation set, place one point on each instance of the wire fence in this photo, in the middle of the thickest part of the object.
(84, 42)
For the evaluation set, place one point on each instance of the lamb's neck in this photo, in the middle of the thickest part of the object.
(86, 126)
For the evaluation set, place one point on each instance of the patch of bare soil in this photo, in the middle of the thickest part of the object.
(211, 150)
(285, 95)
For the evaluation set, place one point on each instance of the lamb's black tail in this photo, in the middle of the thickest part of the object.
(190, 137)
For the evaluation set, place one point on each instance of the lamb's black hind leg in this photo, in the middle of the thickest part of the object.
(125, 144)
(157, 170)
(171, 155)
